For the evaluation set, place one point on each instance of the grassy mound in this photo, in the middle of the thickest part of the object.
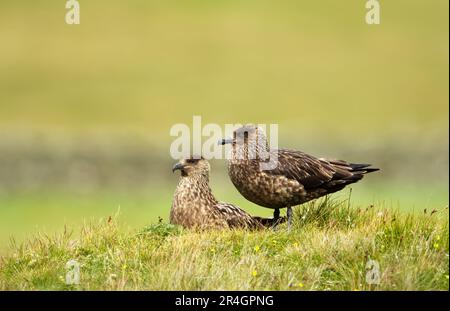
(329, 248)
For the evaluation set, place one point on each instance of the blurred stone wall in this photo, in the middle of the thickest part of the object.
(35, 161)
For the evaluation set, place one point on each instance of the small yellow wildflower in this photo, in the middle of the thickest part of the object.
(254, 273)
(300, 285)
(295, 244)
(256, 248)
(436, 245)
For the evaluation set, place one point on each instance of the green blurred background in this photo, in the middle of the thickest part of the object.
(85, 110)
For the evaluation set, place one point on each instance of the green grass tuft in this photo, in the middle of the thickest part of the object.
(327, 249)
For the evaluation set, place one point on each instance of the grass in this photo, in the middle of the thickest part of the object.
(26, 213)
(333, 84)
(300, 63)
(328, 249)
